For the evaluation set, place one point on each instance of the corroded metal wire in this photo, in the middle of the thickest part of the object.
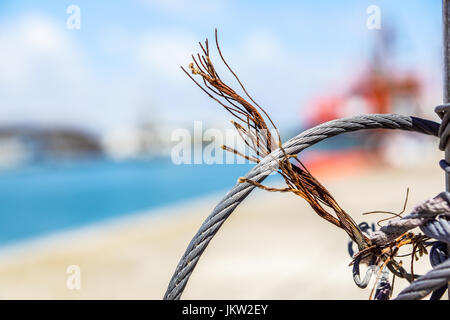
(295, 145)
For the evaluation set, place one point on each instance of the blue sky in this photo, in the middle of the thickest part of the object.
(124, 61)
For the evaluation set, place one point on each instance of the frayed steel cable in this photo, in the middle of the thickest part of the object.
(436, 280)
(438, 255)
(423, 216)
(295, 145)
(432, 217)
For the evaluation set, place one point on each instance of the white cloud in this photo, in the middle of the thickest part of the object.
(41, 68)
(47, 78)
(25, 43)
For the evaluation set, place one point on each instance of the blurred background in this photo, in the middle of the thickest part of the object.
(88, 108)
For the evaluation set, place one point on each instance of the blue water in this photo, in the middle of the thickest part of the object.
(44, 198)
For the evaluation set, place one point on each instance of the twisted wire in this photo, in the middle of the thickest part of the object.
(295, 145)
(433, 280)
(438, 229)
(438, 254)
(436, 280)
(422, 216)
(431, 217)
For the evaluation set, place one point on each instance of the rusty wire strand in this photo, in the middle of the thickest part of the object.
(259, 139)
(256, 135)
(395, 215)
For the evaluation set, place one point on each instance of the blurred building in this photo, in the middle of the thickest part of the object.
(20, 145)
(144, 140)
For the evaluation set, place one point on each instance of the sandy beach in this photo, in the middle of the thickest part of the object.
(272, 247)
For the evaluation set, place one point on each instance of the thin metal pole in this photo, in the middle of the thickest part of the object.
(446, 95)
(446, 44)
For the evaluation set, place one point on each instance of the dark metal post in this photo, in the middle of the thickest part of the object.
(446, 44)
(446, 96)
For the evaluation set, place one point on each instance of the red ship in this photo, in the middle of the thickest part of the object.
(381, 88)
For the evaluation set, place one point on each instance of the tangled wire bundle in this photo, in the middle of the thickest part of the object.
(377, 249)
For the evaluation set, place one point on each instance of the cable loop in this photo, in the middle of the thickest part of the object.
(295, 145)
